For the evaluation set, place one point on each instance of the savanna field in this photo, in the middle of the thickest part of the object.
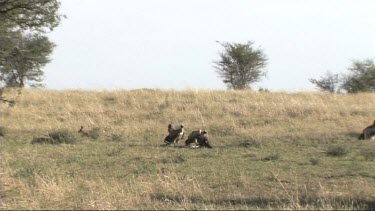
(271, 150)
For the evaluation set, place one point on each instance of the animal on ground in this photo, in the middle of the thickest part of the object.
(175, 135)
(199, 138)
(83, 132)
(203, 142)
(170, 127)
(368, 133)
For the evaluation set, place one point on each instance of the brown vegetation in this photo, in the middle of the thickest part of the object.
(270, 151)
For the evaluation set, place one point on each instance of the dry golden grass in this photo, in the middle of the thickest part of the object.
(230, 112)
(127, 168)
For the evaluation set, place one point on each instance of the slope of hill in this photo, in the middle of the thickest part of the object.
(271, 151)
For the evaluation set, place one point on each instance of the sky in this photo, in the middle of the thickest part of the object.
(171, 44)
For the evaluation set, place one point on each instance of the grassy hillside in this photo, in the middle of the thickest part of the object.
(271, 151)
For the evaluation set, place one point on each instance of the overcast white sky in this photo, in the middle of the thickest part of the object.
(170, 44)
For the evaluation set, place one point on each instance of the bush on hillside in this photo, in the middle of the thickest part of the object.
(56, 137)
(94, 133)
(250, 143)
(314, 161)
(2, 131)
(337, 151)
(368, 154)
(117, 137)
(271, 157)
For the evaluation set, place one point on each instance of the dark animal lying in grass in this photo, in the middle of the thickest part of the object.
(368, 133)
(198, 137)
(170, 127)
(175, 135)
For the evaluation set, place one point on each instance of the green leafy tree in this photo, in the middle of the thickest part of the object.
(7, 40)
(240, 65)
(30, 14)
(25, 62)
(361, 77)
(17, 16)
(330, 82)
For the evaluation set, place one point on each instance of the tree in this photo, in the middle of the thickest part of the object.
(240, 65)
(361, 77)
(8, 38)
(17, 16)
(26, 60)
(328, 83)
(30, 14)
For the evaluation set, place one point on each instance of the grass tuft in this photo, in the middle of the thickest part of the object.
(63, 136)
(368, 154)
(314, 161)
(337, 151)
(94, 133)
(117, 137)
(272, 157)
(3, 131)
(250, 143)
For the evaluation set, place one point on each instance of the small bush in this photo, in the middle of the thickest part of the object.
(175, 159)
(250, 143)
(62, 136)
(42, 140)
(110, 99)
(263, 90)
(314, 161)
(271, 157)
(2, 131)
(337, 151)
(117, 137)
(368, 154)
(56, 137)
(94, 133)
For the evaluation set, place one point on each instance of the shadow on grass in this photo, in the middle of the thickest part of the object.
(172, 146)
(266, 203)
(353, 135)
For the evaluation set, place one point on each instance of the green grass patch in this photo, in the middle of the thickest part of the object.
(337, 151)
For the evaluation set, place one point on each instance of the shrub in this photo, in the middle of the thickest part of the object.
(56, 137)
(94, 133)
(314, 161)
(175, 159)
(62, 136)
(368, 154)
(110, 99)
(2, 131)
(337, 151)
(42, 140)
(271, 157)
(250, 143)
(117, 137)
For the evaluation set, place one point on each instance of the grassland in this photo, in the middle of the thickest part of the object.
(271, 151)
